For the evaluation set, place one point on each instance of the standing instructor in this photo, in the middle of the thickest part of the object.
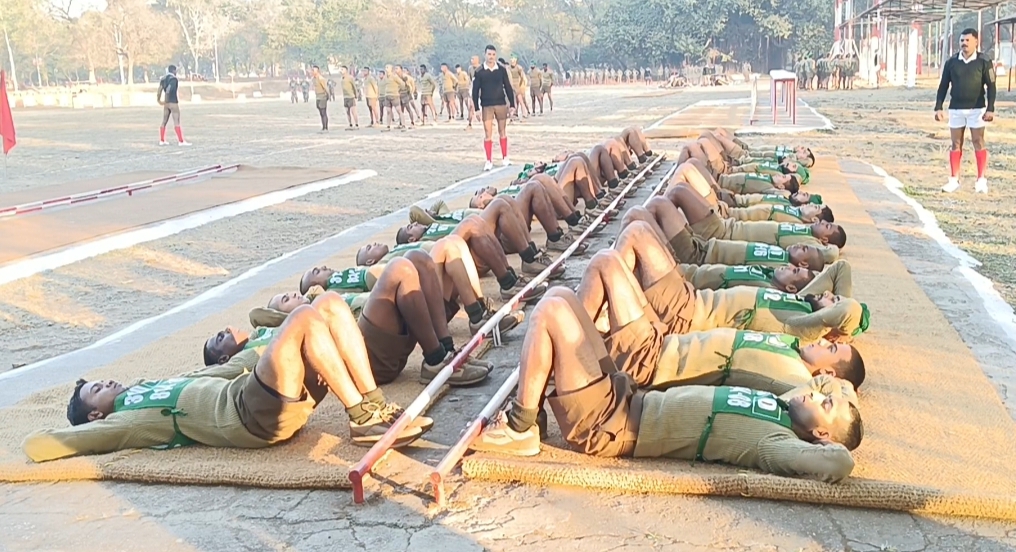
(493, 94)
(972, 104)
(167, 98)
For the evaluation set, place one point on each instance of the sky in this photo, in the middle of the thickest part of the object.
(79, 6)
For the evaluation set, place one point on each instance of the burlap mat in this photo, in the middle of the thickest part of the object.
(318, 457)
(937, 437)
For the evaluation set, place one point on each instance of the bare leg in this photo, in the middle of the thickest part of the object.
(397, 302)
(304, 348)
(342, 325)
(641, 214)
(642, 251)
(561, 339)
(671, 220)
(695, 207)
(604, 165)
(555, 195)
(457, 269)
(607, 281)
(433, 294)
(503, 220)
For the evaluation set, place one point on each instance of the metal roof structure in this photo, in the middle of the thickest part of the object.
(921, 11)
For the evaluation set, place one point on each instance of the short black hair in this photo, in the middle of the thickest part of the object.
(852, 370)
(457, 66)
(489, 48)
(838, 237)
(423, 67)
(793, 185)
(969, 31)
(172, 68)
(811, 156)
(345, 67)
(209, 356)
(77, 411)
(826, 214)
(854, 433)
(444, 65)
(318, 68)
(402, 236)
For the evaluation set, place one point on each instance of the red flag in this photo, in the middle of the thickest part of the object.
(6, 121)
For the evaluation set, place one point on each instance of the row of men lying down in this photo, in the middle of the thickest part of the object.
(643, 353)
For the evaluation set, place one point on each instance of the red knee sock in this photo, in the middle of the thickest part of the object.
(504, 148)
(982, 161)
(162, 134)
(955, 157)
(179, 133)
(488, 147)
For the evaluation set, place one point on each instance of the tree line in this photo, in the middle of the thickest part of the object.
(56, 42)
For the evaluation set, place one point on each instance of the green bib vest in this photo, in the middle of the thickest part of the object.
(511, 191)
(792, 229)
(400, 250)
(773, 299)
(776, 343)
(757, 405)
(437, 231)
(786, 209)
(741, 275)
(454, 217)
(260, 338)
(349, 279)
(160, 394)
(764, 253)
(775, 199)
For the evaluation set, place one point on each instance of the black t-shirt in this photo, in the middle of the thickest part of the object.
(492, 87)
(169, 85)
(973, 83)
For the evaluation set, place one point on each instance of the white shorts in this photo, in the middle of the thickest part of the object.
(969, 118)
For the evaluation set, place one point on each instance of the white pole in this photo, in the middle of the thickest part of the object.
(912, 50)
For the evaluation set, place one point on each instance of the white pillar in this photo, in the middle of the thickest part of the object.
(890, 58)
(911, 58)
(862, 61)
(901, 59)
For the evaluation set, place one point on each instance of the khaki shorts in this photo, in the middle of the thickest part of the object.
(636, 348)
(321, 103)
(601, 419)
(386, 352)
(272, 417)
(534, 90)
(449, 97)
(372, 103)
(673, 300)
(490, 113)
(348, 102)
(710, 227)
(405, 99)
(546, 89)
(391, 101)
(171, 110)
(463, 94)
(688, 248)
(427, 100)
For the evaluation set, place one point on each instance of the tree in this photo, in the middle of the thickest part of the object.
(135, 32)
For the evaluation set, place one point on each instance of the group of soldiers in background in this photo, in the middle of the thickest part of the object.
(398, 92)
(828, 72)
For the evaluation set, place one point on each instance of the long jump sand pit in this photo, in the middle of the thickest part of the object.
(30, 234)
(937, 437)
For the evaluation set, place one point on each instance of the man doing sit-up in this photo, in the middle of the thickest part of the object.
(807, 432)
(684, 309)
(835, 278)
(704, 222)
(260, 398)
(497, 219)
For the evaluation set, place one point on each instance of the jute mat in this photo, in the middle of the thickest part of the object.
(318, 457)
(937, 437)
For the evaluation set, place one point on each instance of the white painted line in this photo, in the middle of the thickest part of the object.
(674, 114)
(828, 125)
(73, 254)
(997, 308)
(220, 289)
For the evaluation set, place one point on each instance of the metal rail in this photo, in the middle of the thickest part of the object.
(455, 453)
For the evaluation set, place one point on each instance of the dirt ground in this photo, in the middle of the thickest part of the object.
(62, 310)
(895, 129)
